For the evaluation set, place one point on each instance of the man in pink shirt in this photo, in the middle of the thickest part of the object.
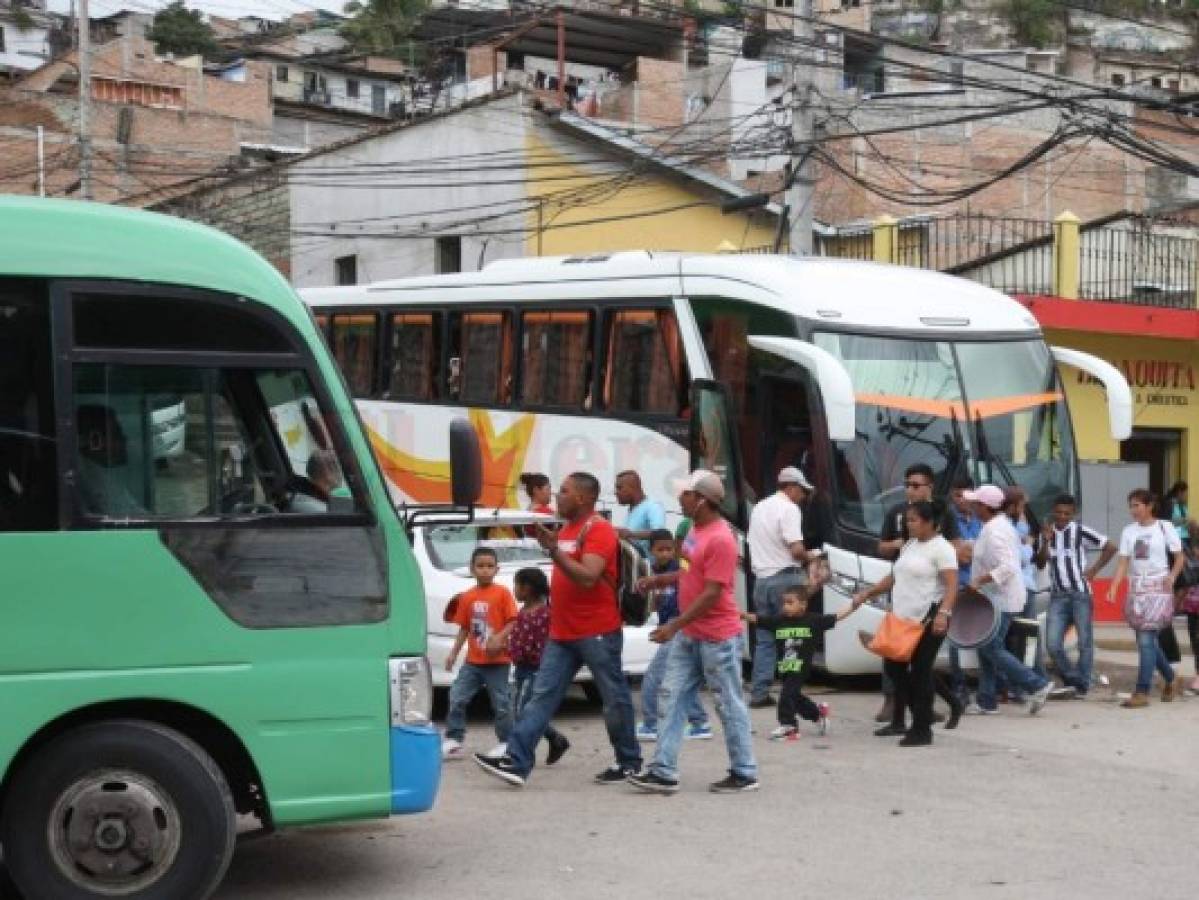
(708, 644)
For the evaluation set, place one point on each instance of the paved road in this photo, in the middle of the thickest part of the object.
(1087, 800)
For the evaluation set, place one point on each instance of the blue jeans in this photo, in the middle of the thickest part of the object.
(560, 663)
(692, 662)
(471, 678)
(994, 659)
(522, 689)
(1066, 607)
(768, 601)
(651, 686)
(1151, 656)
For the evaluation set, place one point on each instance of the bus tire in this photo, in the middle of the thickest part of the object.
(100, 812)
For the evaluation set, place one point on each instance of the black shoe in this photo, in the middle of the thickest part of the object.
(890, 731)
(733, 784)
(652, 783)
(762, 702)
(557, 749)
(955, 714)
(912, 739)
(614, 775)
(501, 767)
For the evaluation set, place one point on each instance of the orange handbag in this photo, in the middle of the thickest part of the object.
(896, 638)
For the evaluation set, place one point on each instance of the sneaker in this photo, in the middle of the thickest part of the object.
(500, 767)
(1136, 701)
(646, 733)
(734, 784)
(1036, 702)
(1064, 693)
(614, 775)
(557, 749)
(973, 709)
(652, 783)
(698, 732)
(825, 714)
(762, 702)
(452, 749)
(500, 749)
(784, 732)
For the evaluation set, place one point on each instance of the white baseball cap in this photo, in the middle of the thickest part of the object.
(707, 484)
(987, 495)
(793, 475)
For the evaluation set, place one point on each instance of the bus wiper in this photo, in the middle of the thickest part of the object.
(956, 458)
(984, 450)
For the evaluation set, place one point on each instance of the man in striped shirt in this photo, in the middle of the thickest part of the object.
(1065, 549)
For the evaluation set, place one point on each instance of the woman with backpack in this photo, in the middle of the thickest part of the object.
(1150, 557)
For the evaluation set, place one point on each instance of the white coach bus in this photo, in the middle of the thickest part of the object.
(658, 362)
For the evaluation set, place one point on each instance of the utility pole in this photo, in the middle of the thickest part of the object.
(83, 26)
(799, 194)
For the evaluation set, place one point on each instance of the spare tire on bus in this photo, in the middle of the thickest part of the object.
(102, 810)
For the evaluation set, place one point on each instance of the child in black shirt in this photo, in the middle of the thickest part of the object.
(795, 633)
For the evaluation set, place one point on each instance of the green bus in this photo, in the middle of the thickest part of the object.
(210, 606)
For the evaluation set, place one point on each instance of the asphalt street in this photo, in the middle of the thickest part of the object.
(1086, 800)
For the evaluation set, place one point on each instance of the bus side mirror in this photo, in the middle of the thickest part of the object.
(466, 464)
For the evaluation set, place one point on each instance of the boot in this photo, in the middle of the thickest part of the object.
(1169, 691)
(888, 711)
(1136, 701)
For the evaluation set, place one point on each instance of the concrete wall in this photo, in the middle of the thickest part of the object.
(441, 197)
(297, 131)
(24, 50)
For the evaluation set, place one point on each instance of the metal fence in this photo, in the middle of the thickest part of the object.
(1128, 263)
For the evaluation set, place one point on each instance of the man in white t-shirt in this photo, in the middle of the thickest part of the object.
(995, 572)
(778, 556)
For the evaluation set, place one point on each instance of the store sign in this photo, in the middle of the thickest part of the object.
(1155, 382)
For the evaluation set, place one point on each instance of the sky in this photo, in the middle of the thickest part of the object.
(267, 9)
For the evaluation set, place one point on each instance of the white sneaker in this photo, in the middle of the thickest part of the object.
(973, 709)
(1037, 702)
(452, 749)
(500, 749)
(784, 732)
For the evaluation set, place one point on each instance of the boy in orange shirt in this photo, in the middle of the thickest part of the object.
(485, 615)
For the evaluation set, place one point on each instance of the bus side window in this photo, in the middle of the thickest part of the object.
(480, 365)
(645, 371)
(415, 357)
(353, 342)
(556, 359)
(28, 462)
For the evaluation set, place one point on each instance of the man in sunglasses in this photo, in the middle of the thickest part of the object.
(918, 483)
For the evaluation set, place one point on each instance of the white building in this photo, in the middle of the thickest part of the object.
(24, 36)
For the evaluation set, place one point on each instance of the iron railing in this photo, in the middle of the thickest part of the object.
(1127, 263)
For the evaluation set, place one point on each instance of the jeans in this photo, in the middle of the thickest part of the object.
(768, 601)
(914, 683)
(1066, 607)
(471, 678)
(651, 689)
(691, 663)
(1151, 656)
(560, 663)
(994, 658)
(522, 690)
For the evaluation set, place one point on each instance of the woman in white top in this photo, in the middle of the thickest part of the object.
(923, 588)
(1145, 548)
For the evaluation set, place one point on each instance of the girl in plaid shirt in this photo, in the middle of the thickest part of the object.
(526, 642)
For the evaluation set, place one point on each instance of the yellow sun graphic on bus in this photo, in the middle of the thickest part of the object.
(428, 480)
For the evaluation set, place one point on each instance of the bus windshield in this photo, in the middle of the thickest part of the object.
(994, 411)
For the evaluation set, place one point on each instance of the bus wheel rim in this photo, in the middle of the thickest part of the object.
(114, 832)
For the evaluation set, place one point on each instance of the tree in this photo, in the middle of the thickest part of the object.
(383, 27)
(182, 31)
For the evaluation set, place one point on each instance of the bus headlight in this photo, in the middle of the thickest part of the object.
(411, 686)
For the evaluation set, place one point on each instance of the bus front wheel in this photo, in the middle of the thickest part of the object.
(102, 811)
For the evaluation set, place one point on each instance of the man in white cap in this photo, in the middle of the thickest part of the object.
(705, 644)
(778, 556)
(995, 572)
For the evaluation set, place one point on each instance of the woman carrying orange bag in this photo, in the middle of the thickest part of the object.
(923, 589)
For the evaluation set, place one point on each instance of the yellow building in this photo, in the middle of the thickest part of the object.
(624, 195)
